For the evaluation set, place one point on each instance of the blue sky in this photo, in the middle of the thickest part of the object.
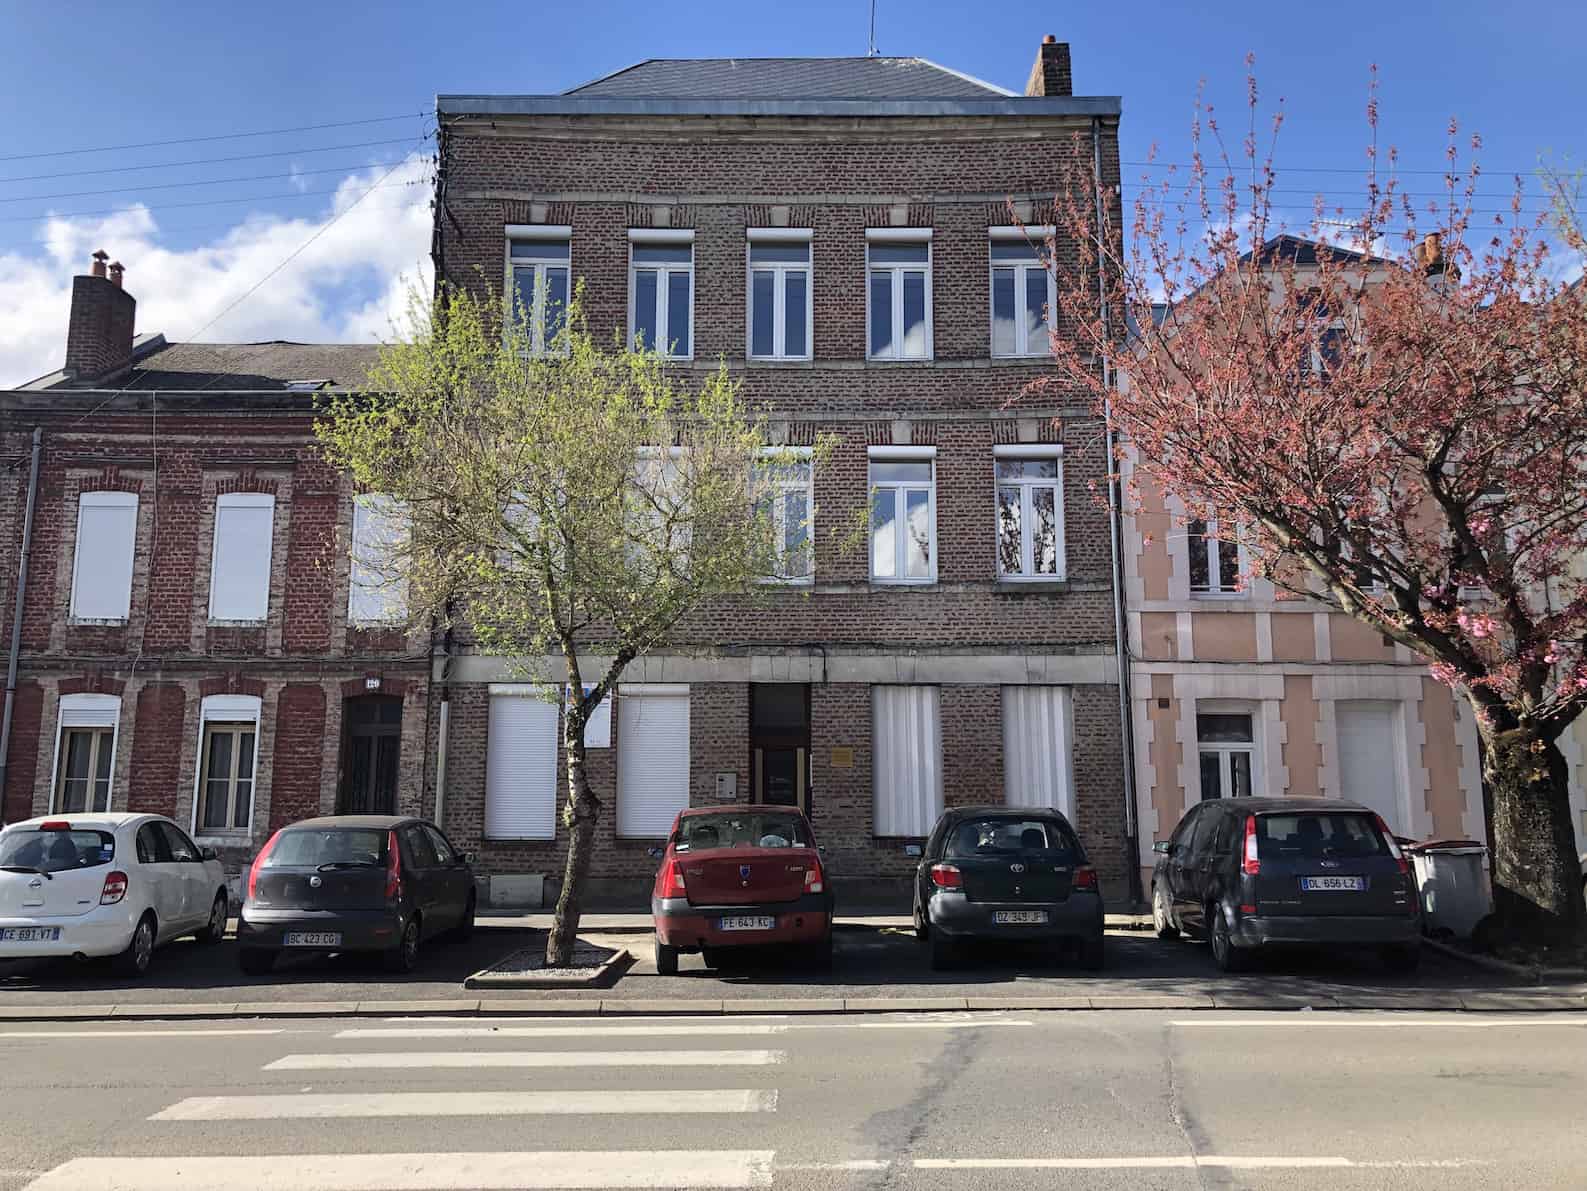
(82, 76)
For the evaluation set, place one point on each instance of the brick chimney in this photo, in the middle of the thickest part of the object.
(99, 329)
(1051, 74)
(1435, 266)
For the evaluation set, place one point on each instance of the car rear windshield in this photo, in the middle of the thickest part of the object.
(312, 847)
(1010, 837)
(1316, 835)
(763, 830)
(56, 851)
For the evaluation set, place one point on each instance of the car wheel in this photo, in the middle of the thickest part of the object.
(215, 929)
(1225, 954)
(666, 959)
(1404, 959)
(1093, 953)
(135, 960)
(944, 955)
(256, 961)
(922, 927)
(404, 957)
(464, 930)
(1162, 919)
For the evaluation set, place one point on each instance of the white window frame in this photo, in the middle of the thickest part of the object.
(899, 235)
(545, 815)
(225, 709)
(1210, 542)
(632, 695)
(900, 506)
(779, 272)
(89, 711)
(521, 234)
(241, 500)
(96, 568)
(394, 610)
(1022, 347)
(664, 271)
(1226, 750)
(1027, 487)
(778, 490)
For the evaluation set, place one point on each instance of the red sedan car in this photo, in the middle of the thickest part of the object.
(741, 876)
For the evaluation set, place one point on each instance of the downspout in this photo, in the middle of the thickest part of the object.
(1121, 632)
(443, 722)
(16, 615)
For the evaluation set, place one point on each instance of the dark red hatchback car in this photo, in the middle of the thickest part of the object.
(741, 876)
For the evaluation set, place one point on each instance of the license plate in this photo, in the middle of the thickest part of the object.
(30, 934)
(1333, 884)
(313, 938)
(749, 922)
(1020, 917)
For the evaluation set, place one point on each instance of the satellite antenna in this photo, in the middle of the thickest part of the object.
(871, 53)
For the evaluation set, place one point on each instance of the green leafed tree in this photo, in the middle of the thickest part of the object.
(568, 509)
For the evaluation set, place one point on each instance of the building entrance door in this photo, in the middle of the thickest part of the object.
(779, 743)
(371, 746)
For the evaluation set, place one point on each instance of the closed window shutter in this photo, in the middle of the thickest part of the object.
(521, 766)
(1368, 765)
(652, 762)
(107, 523)
(1036, 749)
(908, 759)
(239, 586)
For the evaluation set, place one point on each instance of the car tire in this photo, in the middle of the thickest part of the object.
(214, 930)
(1403, 959)
(404, 957)
(666, 959)
(922, 927)
(139, 953)
(944, 955)
(464, 930)
(1162, 918)
(1093, 953)
(256, 961)
(1225, 954)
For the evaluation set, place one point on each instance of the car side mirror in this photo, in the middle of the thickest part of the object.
(466, 857)
(654, 853)
(207, 853)
(1163, 848)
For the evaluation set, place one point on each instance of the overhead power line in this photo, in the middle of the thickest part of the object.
(1217, 166)
(224, 136)
(176, 165)
(329, 169)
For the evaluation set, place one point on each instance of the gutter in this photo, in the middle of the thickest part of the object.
(16, 615)
(1093, 106)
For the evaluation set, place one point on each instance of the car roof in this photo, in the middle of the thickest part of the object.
(1288, 806)
(738, 808)
(954, 814)
(97, 820)
(376, 821)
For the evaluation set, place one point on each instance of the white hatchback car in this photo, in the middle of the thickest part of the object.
(106, 885)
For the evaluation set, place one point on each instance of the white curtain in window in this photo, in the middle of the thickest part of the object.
(907, 750)
(107, 524)
(1037, 755)
(521, 763)
(652, 759)
(239, 583)
(376, 592)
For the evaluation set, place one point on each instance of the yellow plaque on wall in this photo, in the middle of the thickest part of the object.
(843, 757)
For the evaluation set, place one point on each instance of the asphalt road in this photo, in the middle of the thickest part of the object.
(1103, 1100)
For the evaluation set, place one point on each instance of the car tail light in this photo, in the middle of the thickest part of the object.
(672, 880)
(1085, 878)
(815, 879)
(55, 825)
(1394, 846)
(1253, 865)
(1248, 909)
(258, 863)
(114, 890)
(393, 868)
(947, 876)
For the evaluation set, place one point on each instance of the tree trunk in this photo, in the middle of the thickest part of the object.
(1537, 886)
(582, 812)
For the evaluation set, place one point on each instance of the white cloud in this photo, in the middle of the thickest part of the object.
(349, 285)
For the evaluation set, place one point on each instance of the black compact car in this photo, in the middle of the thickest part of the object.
(373, 883)
(1249, 873)
(1006, 874)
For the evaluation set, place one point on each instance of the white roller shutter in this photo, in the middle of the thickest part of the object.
(652, 759)
(907, 750)
(107, 524)
(239, 580)
(1037, 767)
(1368, 766)
(521, 764)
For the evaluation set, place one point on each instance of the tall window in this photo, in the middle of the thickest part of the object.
(521, 763)
(903, 517)
(907, 754)
(84, 767)
(239, 577)
(1327, 342)
(376, 591)
(107, 524)
(1022, 292)
(538, 258)
(1214, 561)
(1228, 752)
(779, 296)
(786, 501)
(1030, 528)
(652, 758)
(899, 296)
(226, 777)
(661, 289)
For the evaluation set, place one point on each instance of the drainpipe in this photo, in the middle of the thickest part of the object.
(1121, 632)
(16, 615)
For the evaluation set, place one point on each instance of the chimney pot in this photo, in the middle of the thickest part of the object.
(1051, 75)
(116, 270)
(1049, 40)
(99, 329)
(98, 267)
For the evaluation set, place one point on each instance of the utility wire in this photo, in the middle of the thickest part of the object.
(225, 136)
(329, 169)
(177, 165)
(1217, 167)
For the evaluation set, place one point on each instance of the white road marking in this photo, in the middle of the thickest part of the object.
(1334, 1018)
(419, 1172)
(132, 1033)
(320, 1106)
(659, 1031)
(537, 1058)
(853, 1165)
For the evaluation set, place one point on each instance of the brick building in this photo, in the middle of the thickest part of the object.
(852, 237)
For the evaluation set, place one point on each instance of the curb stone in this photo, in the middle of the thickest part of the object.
(1491, 964)
(485, 978)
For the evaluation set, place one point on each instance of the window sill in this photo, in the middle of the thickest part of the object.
(98, 622)
(779, 362)
(1017, 584)
(890, 362)
(377, 625)
(231, 838)
(219, 622)
(1220, 596)
(804, 582)
(904, 584)
(518, 839)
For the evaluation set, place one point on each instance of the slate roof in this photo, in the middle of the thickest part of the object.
(269, 367)
(788, 78)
